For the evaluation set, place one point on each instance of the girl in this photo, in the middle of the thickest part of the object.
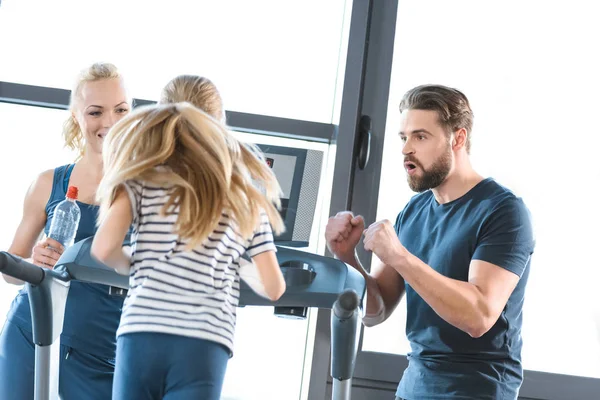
(202, 93)
(185, 183)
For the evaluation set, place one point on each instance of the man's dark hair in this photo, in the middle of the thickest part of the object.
(451, 105)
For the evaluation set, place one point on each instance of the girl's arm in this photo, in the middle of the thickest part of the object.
(270, 274)
(107, 246)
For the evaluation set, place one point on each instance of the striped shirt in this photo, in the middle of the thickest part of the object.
(173, 290)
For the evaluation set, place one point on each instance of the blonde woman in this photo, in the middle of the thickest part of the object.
(88, 343)
(185, 184)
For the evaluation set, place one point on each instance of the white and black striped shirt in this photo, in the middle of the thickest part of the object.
(176, 291)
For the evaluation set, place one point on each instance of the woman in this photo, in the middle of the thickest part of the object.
(92, 315)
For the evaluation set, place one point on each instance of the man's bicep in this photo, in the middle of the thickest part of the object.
(495, 283)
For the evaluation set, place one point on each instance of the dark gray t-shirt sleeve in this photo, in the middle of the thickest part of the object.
(506, 237)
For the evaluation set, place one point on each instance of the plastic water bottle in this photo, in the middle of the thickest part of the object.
(66, 219)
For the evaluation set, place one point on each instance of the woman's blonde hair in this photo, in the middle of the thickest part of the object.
(198, 90)
(71, 130)
(207, 169)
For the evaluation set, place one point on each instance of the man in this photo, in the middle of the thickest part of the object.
(460, 250)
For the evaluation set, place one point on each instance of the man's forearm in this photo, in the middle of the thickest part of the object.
(459, 303)
(375, 310)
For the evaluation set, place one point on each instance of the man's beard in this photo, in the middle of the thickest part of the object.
(432, 177)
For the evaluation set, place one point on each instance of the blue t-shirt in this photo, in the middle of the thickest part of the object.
(488, 223)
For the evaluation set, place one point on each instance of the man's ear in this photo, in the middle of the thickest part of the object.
(459, 139)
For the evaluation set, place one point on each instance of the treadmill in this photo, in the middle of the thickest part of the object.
(312, 281)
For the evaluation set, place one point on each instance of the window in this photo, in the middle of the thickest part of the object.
(269, 351)
(533, 84)
(267, 56)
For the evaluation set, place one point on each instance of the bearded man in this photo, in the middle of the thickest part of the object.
(460, 250)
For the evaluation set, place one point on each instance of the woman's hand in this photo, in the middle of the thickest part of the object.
(46, 253)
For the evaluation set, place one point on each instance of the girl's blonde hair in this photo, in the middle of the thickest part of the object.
(208, 170)
(71, 130)
(201, 92)
(198, 90)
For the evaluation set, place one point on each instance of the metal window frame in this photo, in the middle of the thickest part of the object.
(39, 96)
(366, 92)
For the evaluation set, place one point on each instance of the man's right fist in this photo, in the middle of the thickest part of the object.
(343, 233)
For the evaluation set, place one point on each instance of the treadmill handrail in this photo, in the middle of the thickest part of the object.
(82, 266)
(331, 278)
(18, 268)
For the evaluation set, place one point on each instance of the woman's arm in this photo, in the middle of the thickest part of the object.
(31, 226)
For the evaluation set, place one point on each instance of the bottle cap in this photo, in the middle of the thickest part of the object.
(72, 192)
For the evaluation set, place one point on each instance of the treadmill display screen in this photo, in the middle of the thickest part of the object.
(298, 197)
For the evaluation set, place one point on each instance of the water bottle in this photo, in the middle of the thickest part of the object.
(66, 219)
